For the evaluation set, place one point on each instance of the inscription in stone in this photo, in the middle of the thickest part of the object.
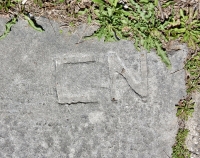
(78, 78)
(137, 81)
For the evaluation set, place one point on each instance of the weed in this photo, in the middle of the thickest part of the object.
(9, 25)
(168, 3)
(186, 28)
(5, 5)
(179, 149)
(185, 108)
(193, 68)
(33, 23)
(136, 21)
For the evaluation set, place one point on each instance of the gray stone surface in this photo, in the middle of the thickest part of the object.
(88, 100)
(193, 124)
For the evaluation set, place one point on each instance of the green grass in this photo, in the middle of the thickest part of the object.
(193, 68)
(5, 5)
(179, 149)
(186, 28)
(9, 24)
(137, 23)
(185, 108)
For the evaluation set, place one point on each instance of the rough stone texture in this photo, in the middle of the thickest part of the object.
(193, 124)
(88, 100)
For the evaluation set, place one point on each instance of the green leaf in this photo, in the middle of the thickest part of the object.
(96, 12)
(175, 23)
(186, 37)
(144, 1)
(156, 2)
(101, 2)
(9, 24)
(126, 13)
(193, 22)
(168, 4)
(152, 43)
(83, 12)
(32, 24)
(89, 19)
(195, 38)
(110, 12)
(181, 13)
(124, 21)
(136, 43)
(115, 3)
(196, 32)
(143, 28)
(111, 2)
(162, 54)
(195, 14)
(191, 43)
(182, 30)
(104, 13)
(118, 34)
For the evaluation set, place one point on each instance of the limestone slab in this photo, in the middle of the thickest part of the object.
(60, 97)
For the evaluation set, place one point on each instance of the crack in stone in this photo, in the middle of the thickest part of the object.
(79, 102)
(86, 62)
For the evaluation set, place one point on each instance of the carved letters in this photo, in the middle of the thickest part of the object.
(78, 77)
(117, 67)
